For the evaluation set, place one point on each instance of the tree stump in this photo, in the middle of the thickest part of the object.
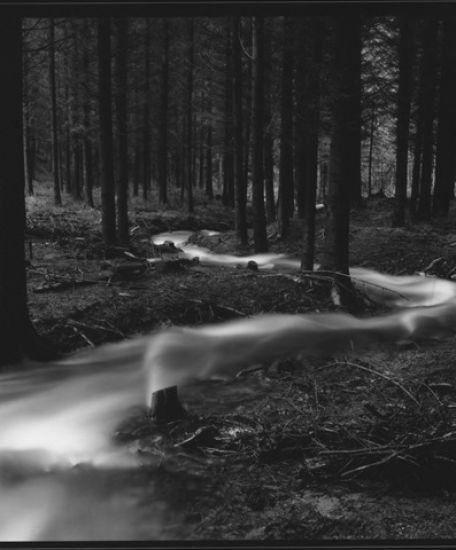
(165, 405)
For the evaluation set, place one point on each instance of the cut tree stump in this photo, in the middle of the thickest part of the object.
(165, 406)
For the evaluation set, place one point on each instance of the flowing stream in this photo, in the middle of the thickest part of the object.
(61, 476)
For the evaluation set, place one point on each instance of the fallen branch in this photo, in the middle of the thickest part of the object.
(83, 336)
(375, 372)
(63, 285)
(78, 324)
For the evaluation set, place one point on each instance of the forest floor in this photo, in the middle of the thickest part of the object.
(356, 447)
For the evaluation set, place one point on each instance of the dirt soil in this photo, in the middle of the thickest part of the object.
(354, 447)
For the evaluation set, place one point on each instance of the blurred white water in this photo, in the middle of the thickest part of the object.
(392, 290)
(56, 417)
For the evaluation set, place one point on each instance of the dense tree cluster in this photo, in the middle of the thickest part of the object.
(264, 113)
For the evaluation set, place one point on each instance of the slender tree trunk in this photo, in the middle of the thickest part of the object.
(428, 82)
(88, 157)
(445, 171)
(416, 171)
(286, 200)
(268, 140)
(353, 131)
(77, 182)
(403, 120)
(68, 114)
(228, 184)
(27, 170)
(311, 121)
(76, 70)
(55, 143)
(190, 151)
(28, 160)
(259, 217)
(163, 144)
(201, 157)
(122, 130)
(335, 256)
(240, 187)
(304, 28)
(209, 185)
(108, 212)
(248, 125)
(371, 154)
(146, 115)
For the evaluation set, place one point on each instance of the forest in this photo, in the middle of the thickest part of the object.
(228, 276)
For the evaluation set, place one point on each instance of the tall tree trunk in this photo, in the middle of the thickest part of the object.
(417, 154)
(445, 170)
(28, 160)
(268, 139)
(371, 154)
(403, 120)
(108, 212)
(55, 142)
(201, 145)
(259, 217)
(209, 188)
(240, 187)
(190, 164)
(122, 130)
(68, 113)
(308, 165)
(286, 200)
(77, 181)
(353, 131)
(228, 184)
(18, 336)
(146, 114)
(428, 81)
(88, 157)
(335, 256)
(164, 94)
(209, 185)
(76, 111)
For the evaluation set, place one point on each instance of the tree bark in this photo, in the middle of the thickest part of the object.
(88, 157)
(190, 164)
(403, 121)
(371, 154)
(146, 115)
(311, 121)
(353, 131)
(108, 213)
(122, 129)
(55, 142)
(228, 183)
(286, 199)
(19, 338)
(259, 217)
(445, 170)
(335, 256)
(164, 94)
(268, 123)
(240, 187)
(428, 82)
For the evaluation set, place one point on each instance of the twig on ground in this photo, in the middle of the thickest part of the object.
(78, 324)
(376, 373)
(83, 336)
